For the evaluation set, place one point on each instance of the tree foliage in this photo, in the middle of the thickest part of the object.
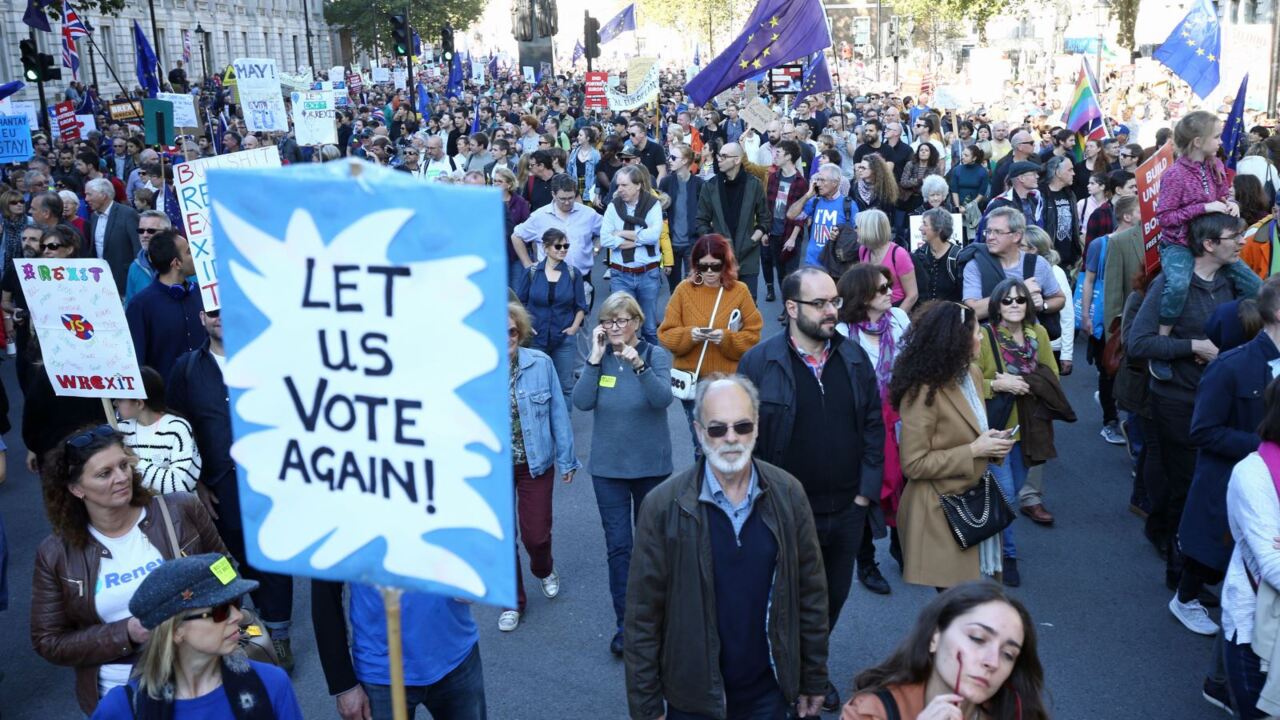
(701, 20)
(368, 23)
(978, 12)
(1125, 12)
(106, 7)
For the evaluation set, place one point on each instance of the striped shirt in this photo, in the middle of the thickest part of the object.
(167, 454)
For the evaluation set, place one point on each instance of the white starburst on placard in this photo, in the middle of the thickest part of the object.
(426, 335)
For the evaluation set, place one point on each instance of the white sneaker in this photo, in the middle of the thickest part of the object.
(1193, 616)
(551, 584)
(509, 620)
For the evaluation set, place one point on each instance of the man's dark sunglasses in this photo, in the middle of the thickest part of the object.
(739, 428)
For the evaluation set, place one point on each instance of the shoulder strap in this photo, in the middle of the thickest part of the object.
(697, 372)
(848, 209)
(995, 348)
(1028, 265)
(168, 526)
(891, 711)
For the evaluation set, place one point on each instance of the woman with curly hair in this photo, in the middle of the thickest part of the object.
(874, 186)
(109, 533)
(926, 162)
(945, 442)
(971, 654)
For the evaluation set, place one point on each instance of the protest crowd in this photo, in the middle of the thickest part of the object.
(939, 271)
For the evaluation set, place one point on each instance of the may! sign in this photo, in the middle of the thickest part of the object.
(76, 311)
(365, 452)
(193, 202)
(260, 97)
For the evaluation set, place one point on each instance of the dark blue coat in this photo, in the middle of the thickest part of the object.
(551, 319)
(1224, 428)
(196, 391)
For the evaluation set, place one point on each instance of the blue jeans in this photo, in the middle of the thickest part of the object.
(619, 502)
(1244, 679)
(459, 695)
(567, 363)
(644, 287)
(688, 414)
(1011, 474)
(681, 257)
(772, 705)
(514, 271)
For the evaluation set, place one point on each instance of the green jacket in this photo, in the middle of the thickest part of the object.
(673, 647)
(1125, 257)
(754, 214)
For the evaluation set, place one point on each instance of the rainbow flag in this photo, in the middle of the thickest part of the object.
(1083, 113)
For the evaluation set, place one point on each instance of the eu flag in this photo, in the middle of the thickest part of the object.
(493, 67)
(1233, 129)
(622, 22)
(816, 77)
(578, 52)
(35, 17)
(145, 62)
(778, 32)
(454, 87)
(1194, 49)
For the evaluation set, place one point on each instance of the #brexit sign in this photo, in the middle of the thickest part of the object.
(364, 319)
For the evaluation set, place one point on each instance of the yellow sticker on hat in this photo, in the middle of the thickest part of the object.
(223, 571)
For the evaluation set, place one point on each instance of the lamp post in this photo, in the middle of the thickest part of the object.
(93, 63)
(155, 34)
(306, 24)
(204, 65)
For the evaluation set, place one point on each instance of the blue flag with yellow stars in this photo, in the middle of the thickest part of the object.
(1233, 130)
(622, 22)
(778, 32)
(816, 77)
(1194, 49)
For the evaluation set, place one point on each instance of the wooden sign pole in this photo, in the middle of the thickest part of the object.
(395, 651)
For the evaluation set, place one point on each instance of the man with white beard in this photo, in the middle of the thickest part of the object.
(726, 565)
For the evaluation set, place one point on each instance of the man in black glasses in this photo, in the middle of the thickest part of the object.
(650, 154)
(1022, 149)
(820, 421)
(141, 273)
(764, 623)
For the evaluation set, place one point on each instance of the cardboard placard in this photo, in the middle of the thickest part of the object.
(757, 115)
(184, 109)
(1148, 179)
(260, 95)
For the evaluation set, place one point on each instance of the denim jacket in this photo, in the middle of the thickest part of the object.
(544, 417)
(589, 168)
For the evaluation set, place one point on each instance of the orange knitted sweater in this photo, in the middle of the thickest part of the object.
(690, 307)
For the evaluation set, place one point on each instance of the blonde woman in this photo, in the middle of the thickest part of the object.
(191, 665)
(876, 238)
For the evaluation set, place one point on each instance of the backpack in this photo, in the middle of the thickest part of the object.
(841, 252)
(992, 274)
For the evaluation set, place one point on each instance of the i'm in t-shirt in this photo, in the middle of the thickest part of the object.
(827, 215)
(132, 557)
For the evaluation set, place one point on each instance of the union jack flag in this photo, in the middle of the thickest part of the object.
(72, 28)
(186, 46)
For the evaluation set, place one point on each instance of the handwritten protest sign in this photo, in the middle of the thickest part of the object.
(1148, 179)
(75, 309)
(313, 118)
(184, 109)
(400, 78)
(757, 115)
(370, 455)
(193, 202)
(15, 138)
(381, 75)
(9, 106)
(260, 95)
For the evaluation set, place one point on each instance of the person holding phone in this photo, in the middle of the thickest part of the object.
(1019, 374)
(626, 386)
(710, 308)
(946, 443)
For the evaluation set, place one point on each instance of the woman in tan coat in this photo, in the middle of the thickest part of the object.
(945, 443)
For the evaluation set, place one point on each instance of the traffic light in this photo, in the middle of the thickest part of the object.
(400, 35)
(30, 60)
(592, 33)
(446, 42)
(37, 66)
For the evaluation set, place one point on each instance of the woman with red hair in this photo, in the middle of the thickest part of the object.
(711, 320)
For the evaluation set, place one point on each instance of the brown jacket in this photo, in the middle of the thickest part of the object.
(936, 457)
(673, 649)
(65, 627)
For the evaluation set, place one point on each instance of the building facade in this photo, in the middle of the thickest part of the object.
(232, 28)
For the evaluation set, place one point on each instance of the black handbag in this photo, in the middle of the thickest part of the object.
(1001, 404)
(977, 513)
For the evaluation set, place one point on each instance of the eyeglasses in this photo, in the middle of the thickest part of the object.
(49, 247)
(993, 232)
(722, 156)
(1013, 301)
(543, 142)
(883, 289)
(616, 322)
(218, 613)
(148, 231)
(81, 440)
(1235, 237)
(819, 303)
(713, 267)
(674, 158)
(1026, 142)
(13, 203)
(716, 430)
(559, 246)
